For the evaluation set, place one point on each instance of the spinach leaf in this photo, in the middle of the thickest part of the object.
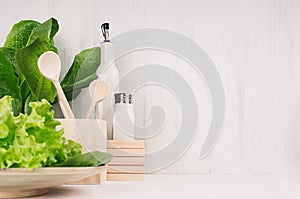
(10, 84)
(82, 71)
(19, 34)
(91, 159)
(24, 87)
(26, 41)
(46, 31)
(9, 53)
(27, 61)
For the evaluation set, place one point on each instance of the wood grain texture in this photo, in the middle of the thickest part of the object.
(255, 45)
(132, 144)
(119, 169)
(128, 161)
(23, 193)
(127, 152)
(20, 182)
(125, 177)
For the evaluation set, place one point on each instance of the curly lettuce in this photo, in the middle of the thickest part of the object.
(31, 140)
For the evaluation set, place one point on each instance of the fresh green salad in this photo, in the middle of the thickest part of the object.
(31, 140)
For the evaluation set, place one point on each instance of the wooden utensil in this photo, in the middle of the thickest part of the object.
(50, 67)
(98, 90)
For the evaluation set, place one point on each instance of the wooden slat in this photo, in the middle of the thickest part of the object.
(94, 180)
(132, 144)
(127, 152)
(128, 161)
(125, 169)
(125, 177)
(128, 164)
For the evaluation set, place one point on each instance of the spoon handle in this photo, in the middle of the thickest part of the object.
(62, 100)
(88, 114)
(68, 113)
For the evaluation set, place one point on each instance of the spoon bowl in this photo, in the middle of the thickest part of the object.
(49, 65)
(98, 90)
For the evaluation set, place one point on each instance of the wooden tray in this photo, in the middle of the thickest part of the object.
(17, 182)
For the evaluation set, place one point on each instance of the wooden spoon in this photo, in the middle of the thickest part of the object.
(98, 90)
(50, 67)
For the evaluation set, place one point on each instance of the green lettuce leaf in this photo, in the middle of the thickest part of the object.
(9, 53)
(82, 72)
(10, 83)
(24, 87)
(46, 31)
(27, 61)
(18, 46)
(19, 34)
(31, 140)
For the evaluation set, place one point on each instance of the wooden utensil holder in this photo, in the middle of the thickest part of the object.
(93, 134)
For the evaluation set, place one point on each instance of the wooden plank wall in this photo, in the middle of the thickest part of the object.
(255, 45)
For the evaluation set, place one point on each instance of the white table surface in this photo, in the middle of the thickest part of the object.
(186, 186)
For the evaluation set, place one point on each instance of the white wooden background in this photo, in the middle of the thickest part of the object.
(255, 45)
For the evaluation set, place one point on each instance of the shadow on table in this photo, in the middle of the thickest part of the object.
(63, 192)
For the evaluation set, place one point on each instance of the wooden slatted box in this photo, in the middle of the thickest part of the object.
(129, 161)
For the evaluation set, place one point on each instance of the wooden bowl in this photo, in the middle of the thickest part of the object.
(20, 182)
